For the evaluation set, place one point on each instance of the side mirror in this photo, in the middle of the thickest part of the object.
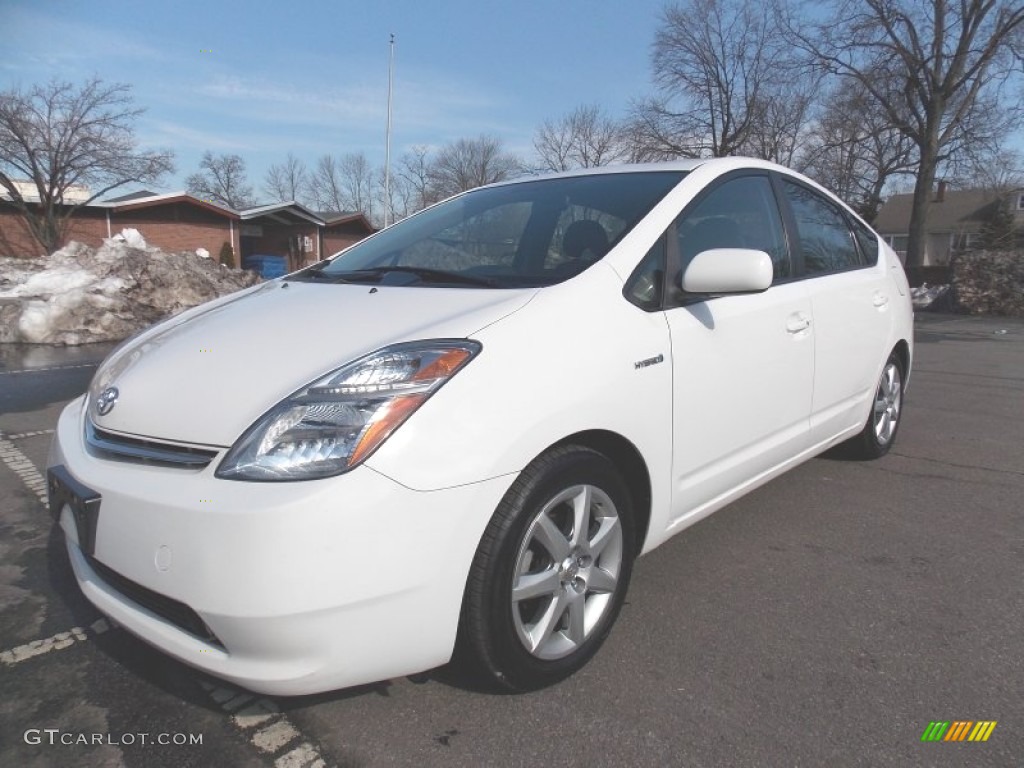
(728, 270)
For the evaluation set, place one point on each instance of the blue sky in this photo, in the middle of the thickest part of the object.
(311, 77)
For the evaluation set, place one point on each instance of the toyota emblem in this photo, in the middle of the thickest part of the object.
(105, 402)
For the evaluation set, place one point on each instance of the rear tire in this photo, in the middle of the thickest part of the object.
(550, 573)
(883, 422)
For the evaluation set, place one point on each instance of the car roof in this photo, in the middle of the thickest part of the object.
(720, 163)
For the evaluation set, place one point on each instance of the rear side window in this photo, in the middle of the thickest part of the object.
(826, 242)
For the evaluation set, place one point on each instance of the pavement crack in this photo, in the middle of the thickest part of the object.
(944, 463)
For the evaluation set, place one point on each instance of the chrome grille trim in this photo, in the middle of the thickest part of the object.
(113, 446)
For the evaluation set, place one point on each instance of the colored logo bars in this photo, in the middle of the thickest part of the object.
(958, 730)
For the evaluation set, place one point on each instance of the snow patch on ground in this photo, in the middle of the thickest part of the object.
(81, 295)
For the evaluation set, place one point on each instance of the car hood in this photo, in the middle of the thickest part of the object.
(205, 376)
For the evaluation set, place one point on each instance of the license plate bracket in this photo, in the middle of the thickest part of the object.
(84, 503)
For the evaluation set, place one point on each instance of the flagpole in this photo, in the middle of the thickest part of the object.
(387, 142)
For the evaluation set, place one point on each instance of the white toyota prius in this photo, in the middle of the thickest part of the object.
(455, 437)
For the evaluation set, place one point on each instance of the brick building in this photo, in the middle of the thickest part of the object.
(182, 222)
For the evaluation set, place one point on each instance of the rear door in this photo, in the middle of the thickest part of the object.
(851, 301)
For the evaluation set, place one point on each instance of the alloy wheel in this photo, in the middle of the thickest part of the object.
(566, 571)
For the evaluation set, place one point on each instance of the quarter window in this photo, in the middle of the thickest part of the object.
(868, 242)
(645, 286)
(740, 213)
(826, 242)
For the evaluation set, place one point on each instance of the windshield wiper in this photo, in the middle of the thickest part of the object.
(426, 274)
(319, 272)
(316, 272)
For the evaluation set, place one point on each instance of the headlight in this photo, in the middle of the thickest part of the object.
(337, 421)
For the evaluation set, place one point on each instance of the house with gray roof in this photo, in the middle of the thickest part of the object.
(956, 219)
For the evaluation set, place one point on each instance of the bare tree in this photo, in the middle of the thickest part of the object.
(583, 138)
(397, 200)
(717, 66)
(287, 181)
(469, 163)
(325, 185)
(414, 171)
(357, 181)
(979, 140)
(925, 63)
(343, 184)
(1000, 170)
(58, 136)
(780, 127)
(221, 179)
(855, 150)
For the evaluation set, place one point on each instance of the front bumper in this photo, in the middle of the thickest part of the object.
(304, 586)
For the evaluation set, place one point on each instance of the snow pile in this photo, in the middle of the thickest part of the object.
(130, 237)
(80, 295)
(990, 282)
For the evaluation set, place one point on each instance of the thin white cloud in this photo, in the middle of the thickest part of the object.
(176, 135)
(431, 107)
(67, 43)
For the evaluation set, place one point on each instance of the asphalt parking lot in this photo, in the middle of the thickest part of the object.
(823, 620)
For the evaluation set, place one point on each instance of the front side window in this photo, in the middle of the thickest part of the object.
(739, 213)
(826, 242)
(526, 234)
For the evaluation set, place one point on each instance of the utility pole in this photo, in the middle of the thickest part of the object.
(387, 141)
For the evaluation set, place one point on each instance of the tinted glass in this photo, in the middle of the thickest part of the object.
(646, 285)
(532, 233)
(571, 240)
(825, 240)
(867, 241)
(739, 213)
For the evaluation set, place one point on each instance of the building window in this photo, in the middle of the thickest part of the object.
(898, 243)
(1020, 202)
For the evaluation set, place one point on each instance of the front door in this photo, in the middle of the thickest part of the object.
(743, 365)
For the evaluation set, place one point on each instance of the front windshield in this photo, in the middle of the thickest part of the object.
(533, 233)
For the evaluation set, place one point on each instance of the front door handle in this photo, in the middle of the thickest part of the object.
(798, 322)
(880, 299)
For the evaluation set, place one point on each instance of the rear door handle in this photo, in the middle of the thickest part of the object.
(880, 300)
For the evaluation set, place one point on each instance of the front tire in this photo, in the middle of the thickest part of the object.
(551, 571)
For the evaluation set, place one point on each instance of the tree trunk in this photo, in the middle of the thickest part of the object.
(917, 234)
